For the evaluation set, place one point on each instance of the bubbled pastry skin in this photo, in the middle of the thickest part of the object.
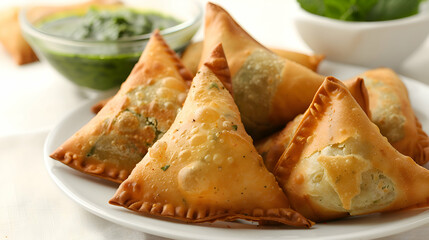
(205, 167)
(269, 90)
(117, 138)
(392, 112)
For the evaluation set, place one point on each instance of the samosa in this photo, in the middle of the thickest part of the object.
(117, 138)
(205, 168)
(339, 164)
(268, 89)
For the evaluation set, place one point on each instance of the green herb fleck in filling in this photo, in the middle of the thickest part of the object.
(91, 151)
(214, 85)
(150, 121)
(165, 167)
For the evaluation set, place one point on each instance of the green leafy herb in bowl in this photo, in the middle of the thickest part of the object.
(362, 10)
(359, 41)
(106, 24)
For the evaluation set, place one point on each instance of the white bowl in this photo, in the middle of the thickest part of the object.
(369, 44)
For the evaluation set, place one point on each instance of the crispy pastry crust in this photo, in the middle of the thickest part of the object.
(421, 155)
(386, 91)
(333, 119)
(158, 74)
(205, 167)
(271, 148)
(192, 55)
(268, 89)
(12, 39)
(310, 61)
(218, 64)
(359, 91)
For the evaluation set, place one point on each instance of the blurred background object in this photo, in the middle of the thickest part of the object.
(12, 39)
(96, 44)
(372, 43)
(367, 10)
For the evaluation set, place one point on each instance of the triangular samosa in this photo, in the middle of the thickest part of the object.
(392, 112)
(205, 168)
(271, 148)
(339, 164)
(268, 89)
(117, 138)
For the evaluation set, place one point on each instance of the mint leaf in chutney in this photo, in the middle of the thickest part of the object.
(362, 10)
(107, 24)
(111, 25)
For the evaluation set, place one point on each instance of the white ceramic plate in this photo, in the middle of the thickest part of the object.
(93, 193)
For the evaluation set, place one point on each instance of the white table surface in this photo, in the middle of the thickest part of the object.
(34, 98)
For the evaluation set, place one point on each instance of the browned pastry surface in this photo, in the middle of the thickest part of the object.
(205, 168)
(192, 55)
(268, 89)
(339, 164)
(117, 138)
(12, 39)
(271, 148)
(392, 112)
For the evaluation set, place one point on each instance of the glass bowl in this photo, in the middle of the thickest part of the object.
(103, 65)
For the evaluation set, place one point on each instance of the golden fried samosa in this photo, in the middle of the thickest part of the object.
(205, 168)
(269, 90)
(392, 112)
(272, 147)
(339, 164)
(12, 39)
(359, 91)
(192, 55)
(117, 138)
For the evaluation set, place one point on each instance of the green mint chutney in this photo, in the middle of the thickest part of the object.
(109, 63)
